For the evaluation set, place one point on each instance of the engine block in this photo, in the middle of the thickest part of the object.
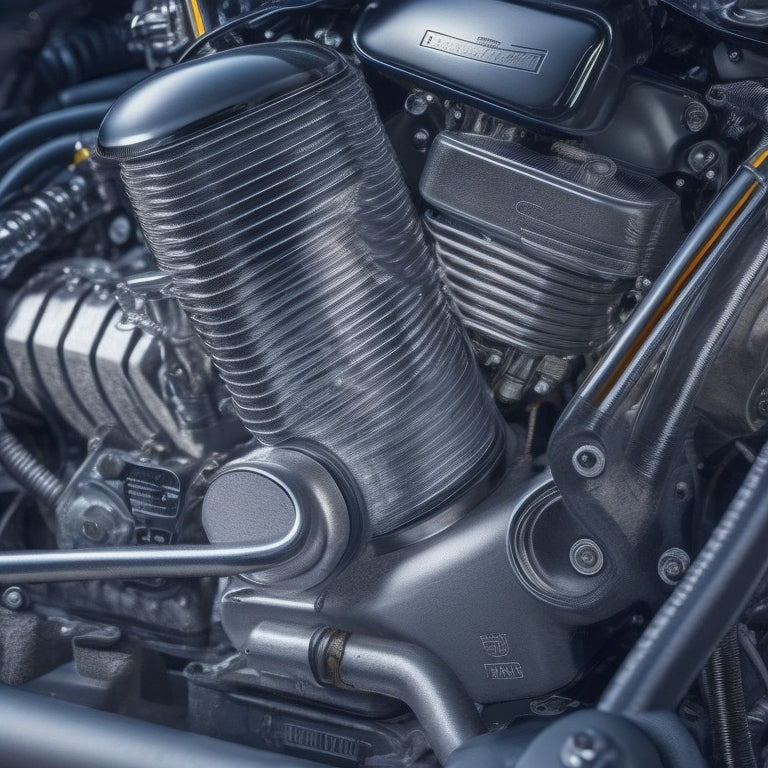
(74, 355)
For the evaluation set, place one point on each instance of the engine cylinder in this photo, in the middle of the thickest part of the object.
(265, 185)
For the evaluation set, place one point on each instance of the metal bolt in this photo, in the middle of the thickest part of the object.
(541, 387)
(710, 174)
(421, 138)
(762, 403)
(416, 104)
(13, 598)
(97, 524)
(735, 55)
(682, 491)
(672, 565)
(110, 466)
(586, 557)
(695, 116)
(120, 230)
(586, 748)
(588, 461)
(679, 182)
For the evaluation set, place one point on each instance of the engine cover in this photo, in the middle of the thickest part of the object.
(539, 61)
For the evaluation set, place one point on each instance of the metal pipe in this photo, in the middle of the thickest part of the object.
(182, 561)
(413, 675)
(37, 730)
(311, 656)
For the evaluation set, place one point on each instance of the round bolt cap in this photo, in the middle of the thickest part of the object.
(588, 461)
(672, 565)
(14, 599)
(586, 557)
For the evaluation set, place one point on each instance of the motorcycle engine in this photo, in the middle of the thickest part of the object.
(271, 308)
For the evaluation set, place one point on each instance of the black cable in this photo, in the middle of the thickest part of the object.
(750, 649)
(23, 467)
(56, 154)
(103, 89)
(727, 709)
(252, 18)
(49, 126)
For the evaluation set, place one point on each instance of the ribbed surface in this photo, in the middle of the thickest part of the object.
(296, 253)
(526, 302)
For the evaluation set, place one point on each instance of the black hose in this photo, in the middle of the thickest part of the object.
(104, 88)
(56, 153)
(23, 467)
(682, 636)
(91, 49)
(727, 709)
(49, 126)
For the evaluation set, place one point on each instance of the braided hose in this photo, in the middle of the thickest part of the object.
(23, 467)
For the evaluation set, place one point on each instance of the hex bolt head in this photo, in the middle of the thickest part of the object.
(672, 565)
(588, 461)
(586, 557)
(97, 524)
(13, 599)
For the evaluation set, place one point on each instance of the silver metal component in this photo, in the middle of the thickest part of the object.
(515, 240)
(588, 460)
(584, 749)
(120, 229)
(270, 488)
(378, 665)
(695, 116)
(586, 557)
(180, 561)
(672, 565)
(13, 599)
(69, 348)
(160, 29)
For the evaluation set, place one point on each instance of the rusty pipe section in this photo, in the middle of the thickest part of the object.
(393, 668)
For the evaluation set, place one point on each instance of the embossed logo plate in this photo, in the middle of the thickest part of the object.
(489, 51)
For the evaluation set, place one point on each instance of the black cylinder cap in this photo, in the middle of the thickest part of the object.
(170, 103)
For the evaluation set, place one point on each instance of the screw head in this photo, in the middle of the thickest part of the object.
(586, 557)
(13, 598)
(588, 461)
(735, 55)
(672, 565)
(97, 524)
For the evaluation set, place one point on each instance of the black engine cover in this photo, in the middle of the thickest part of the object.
(551, 64)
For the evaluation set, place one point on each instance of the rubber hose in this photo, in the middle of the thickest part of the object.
(23, 467)
(56, 153)
(727, 709)
(678, 642)
(49, 126)
(109, 87)
(91, 49)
